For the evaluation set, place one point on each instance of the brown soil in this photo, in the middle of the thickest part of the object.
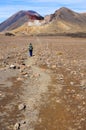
(54, 90)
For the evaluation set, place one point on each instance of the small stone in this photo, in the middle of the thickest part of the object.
(82, 119)
(73, 72)
(73, 91)
(60, 76)
(23, 64)
(79, 127)
(36, 75)
(17, 126)
(40, 120)
(58, 101)
(53, 66)
(84, 103)
(72, 83)
(0, 93)
(83, 83)
(29, 66)
(82, 75)
(18, 67)
(24, 122)
(24, 73)
(19, 79)
(21, 107)
(12, 66)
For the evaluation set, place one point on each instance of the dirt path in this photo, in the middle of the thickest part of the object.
(35, 88)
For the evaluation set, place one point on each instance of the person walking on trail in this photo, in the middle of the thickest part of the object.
(30, 49)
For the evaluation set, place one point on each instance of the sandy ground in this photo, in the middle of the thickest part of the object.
(52, 83)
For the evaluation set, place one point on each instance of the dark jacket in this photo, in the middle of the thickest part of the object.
(30, 47)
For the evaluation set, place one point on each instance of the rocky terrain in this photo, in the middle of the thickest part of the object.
(46, 91)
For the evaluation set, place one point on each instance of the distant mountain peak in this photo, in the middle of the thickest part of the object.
(33, 15)
(33, 12)
(63, 14)
(19, 19)
(64, 10)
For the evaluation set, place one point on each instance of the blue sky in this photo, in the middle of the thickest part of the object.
(43, 7)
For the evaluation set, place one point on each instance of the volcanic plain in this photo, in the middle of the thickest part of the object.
(46, 91)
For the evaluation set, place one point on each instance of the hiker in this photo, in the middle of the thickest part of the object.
(30, 49)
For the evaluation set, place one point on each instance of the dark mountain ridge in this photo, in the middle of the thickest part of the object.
(68, 15)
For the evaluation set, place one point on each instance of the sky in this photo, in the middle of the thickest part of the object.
(43, 7)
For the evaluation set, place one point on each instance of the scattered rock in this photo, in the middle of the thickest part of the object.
(22, 68)
(19, 79)
(72, 83)
(17, 126)
(82, 75)
(23, 63)
(29, 66)
(73, 91)
(60, 76)
(24, 73)
(83, 83)
(22, 107)
(84, 103)
(18, 67)
(53, 67)
(36, 75)
(24, 122)
(2, 95)
(73, 72)
(12, 66)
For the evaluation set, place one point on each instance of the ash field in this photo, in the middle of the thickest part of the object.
(46, 91)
